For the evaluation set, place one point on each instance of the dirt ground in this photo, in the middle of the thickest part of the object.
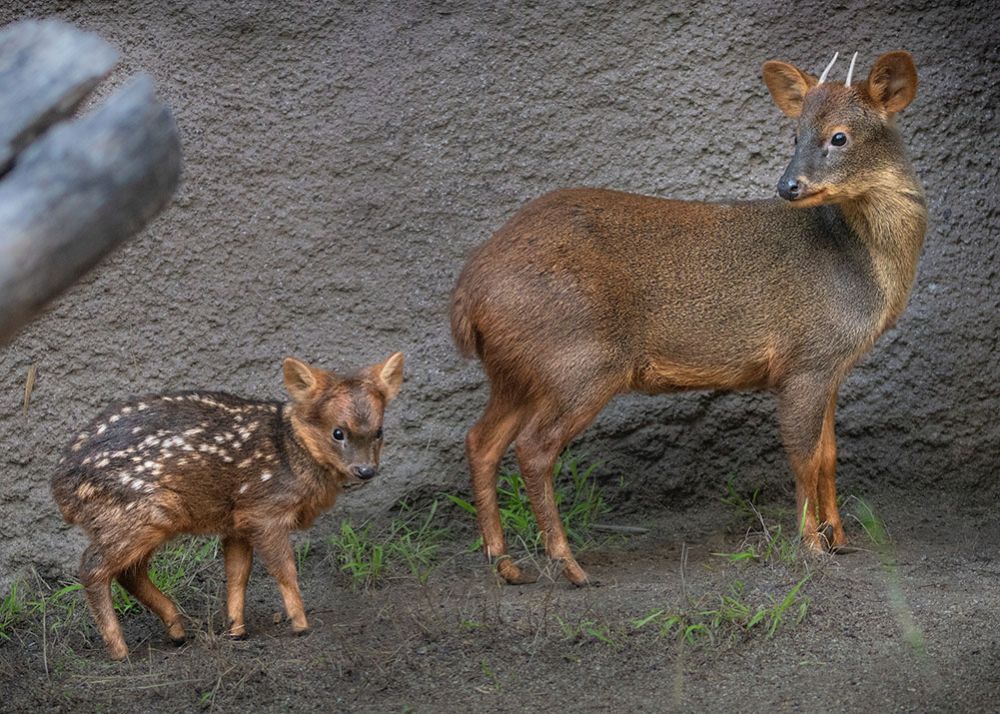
(909, 628)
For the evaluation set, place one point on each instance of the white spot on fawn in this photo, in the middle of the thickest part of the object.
(101, 429)
(136, 430)
(244, 487)
(142, 406)
(265, 476)
(102, 463)
(115, 418)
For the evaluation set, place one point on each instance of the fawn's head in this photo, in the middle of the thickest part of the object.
(846, 143)
(339, 419)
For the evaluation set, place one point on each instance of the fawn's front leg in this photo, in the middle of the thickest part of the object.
(276, 552)
(238, 554)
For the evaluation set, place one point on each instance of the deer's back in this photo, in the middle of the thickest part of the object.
(683, 292)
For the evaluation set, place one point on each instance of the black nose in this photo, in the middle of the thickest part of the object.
(789, 189)
(365, 471)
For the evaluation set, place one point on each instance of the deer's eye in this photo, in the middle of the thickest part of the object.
(839, 139)
(378, 434)
(338, 435)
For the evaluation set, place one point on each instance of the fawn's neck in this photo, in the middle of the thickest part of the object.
(317, 478)
(891, 220)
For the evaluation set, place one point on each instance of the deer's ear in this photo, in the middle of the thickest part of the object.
(300, 380)
(892, 83)
(389, 375)
(788, 86)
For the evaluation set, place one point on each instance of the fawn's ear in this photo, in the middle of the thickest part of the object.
(788, 86)
(892, 83)
(299, 378)
(389, 376)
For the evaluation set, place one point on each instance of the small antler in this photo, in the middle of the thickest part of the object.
(822, 77)
(850, 70)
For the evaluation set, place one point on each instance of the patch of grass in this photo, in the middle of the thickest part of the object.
(587, 631)
(303, 549)
(729, 615)
(41, 612)
(762, 543)
(410, 543)
(12, 609)
(874, 527)
(490, 675)
(741, 611)
(577, 495)
(358, 553)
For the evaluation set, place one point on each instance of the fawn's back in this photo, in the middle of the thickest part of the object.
(184, 462)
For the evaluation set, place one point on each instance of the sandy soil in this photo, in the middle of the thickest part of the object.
(912, 629)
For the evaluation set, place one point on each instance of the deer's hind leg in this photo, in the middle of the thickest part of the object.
(538, 447)
(485, 446)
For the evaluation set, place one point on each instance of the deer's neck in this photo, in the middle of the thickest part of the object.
(891, 220)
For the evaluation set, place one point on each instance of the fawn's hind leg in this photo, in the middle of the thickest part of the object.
(96, 576)
(238, 554)
(485, 445)
(136, 581)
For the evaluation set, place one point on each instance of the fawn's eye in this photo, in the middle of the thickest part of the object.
(839, 139)
(378, 434)
(338, 435)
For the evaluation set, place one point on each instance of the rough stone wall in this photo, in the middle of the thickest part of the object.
(342, 159)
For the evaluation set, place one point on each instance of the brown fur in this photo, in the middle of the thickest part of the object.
(154, 467)
(586, 293)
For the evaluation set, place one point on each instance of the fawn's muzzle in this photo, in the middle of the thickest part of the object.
(364, 471)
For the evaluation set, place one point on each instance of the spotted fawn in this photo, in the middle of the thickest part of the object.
(589, 293)
(154, 467)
